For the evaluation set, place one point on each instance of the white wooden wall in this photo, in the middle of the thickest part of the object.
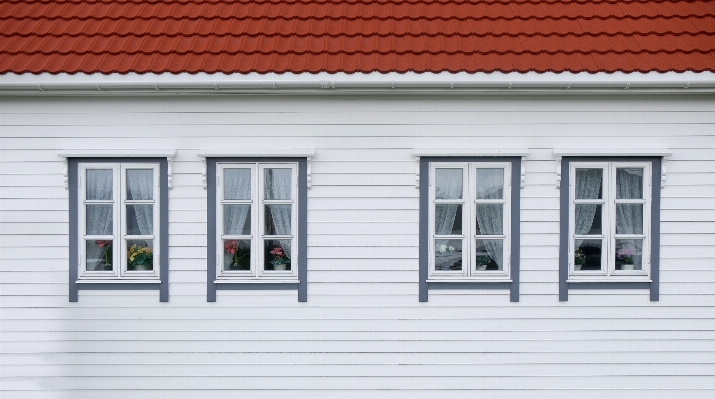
(362, 333)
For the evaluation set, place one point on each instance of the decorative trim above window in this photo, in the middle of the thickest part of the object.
(610, 223)
(307, 153)
(118, 214)
(559, 153)
(257, 228)
(469, 223)
(473, 152)
(168, 154)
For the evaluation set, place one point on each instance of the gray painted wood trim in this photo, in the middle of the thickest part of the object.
(163, 284)
(654, 285)
(513, 286)
(302, 284)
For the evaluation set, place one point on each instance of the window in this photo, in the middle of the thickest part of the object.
(608, 220)
(257, 224)
(118, 229)
(469, 220)
(610, 223)
(255, 214)
(469, 213)
(118, 223)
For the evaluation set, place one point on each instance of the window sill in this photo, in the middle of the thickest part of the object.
(469, 280)
(635, 279)
(119, 280)
(254, 281)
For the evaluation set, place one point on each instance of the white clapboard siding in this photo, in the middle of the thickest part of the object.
(363, 332)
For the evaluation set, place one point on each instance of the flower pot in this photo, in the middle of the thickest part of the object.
(141, 267)
(577, 267)
(481, 267)
(280, 266)
(628, 266)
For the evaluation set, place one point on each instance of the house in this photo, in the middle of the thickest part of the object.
(343, 199)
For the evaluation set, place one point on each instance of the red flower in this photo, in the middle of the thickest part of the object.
(103, 243)
(230, 246)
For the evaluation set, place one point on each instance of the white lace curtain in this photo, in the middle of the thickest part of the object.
(278, 187)
(588, 185)
(448, 185)
(490, 185)
(98, 217)
(141, 187)
(237, 186)
(629, 185)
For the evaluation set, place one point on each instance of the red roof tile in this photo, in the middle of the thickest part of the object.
(120, 36)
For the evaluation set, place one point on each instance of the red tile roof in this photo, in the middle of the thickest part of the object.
(120, 36)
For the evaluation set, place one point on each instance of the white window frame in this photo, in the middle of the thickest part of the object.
(608, 270)
(257, 237)
(469, 205)
(119, 235)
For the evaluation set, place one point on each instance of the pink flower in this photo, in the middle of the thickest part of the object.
(230, 246)
(103, 243)
(278, 251)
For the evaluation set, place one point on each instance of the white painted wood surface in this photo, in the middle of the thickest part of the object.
(362, 332)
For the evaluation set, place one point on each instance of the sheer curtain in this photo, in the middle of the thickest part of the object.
(237, 186)
(490, 185)
(629, 217)
(99, 217)
(278, 187)
(588, 185)
(448, 185)
(141, 187)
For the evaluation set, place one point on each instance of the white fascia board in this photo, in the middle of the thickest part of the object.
(371, 83)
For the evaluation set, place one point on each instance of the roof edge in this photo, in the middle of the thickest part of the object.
(373, 83)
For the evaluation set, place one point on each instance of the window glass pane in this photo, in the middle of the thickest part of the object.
(489, 255)
(278, 220)
(237, 184)
(588, 255)
(99, 184)
(99, 255)
(278, 185)
(629, 254)
(237, 255)
(448, 183)
(140, 255)
(140, 184)
(629, 218)
(589, 183)
(588, 219)
(99, 220)
(448, 219)
(490, 183)
(237, 220)
(277, 255)
(490, 219)
(448, 254)
(140, 220)
(629, 183)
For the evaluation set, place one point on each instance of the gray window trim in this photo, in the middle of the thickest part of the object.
(163, 285)
(513, 286)
(654, 285)
(302, 285)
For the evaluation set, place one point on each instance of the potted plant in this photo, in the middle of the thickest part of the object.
(280, 259)
(624, 259)
(579, 259)
(240, 256)
(140, 258)
(106, 262)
